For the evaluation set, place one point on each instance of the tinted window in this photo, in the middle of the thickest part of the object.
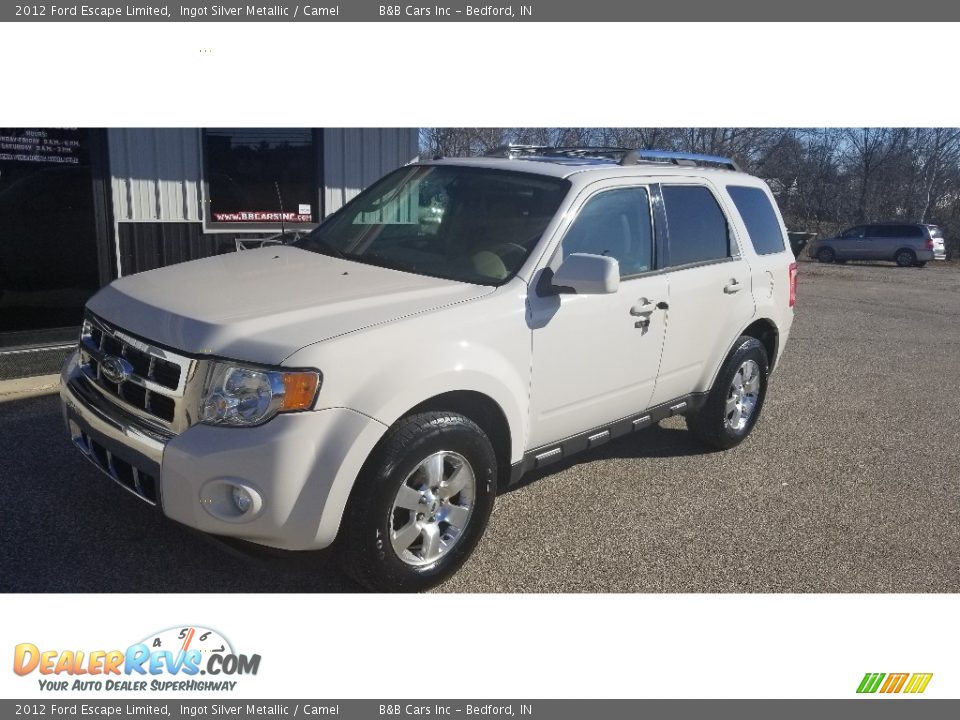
(697, 226)
(759, 217)
(895, 231)
(249, 170)
(615, 223)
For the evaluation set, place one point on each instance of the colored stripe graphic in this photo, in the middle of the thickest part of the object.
(870, 682)
(918, 683)
(894, 682)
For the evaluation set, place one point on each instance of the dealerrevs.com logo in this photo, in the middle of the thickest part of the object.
(176, 659)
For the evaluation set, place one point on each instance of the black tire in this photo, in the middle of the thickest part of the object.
(826, 255)
(366, 553)
(905, 258)
(708, 425)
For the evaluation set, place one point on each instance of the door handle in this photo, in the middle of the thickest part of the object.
(643, 307)
(732, 287)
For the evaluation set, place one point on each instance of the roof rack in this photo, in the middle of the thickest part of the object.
(518, 151)
(634, 157)
(621, 155)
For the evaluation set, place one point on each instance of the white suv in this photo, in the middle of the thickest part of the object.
(459, 323)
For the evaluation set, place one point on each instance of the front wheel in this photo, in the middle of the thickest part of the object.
(422, 505)
(736, 399)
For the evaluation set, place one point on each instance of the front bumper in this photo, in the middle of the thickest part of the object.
(116, 442)
(300, 467)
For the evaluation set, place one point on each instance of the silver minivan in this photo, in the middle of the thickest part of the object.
(906, 244)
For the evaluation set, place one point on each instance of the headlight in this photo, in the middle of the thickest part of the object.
(241, 396)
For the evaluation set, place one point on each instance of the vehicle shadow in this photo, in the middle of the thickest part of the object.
(653, 442)
(68, 528)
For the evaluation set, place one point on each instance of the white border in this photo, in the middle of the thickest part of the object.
(521, 646)
(473, 74)
(760, 74)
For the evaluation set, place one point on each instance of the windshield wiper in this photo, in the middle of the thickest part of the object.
(318, 244)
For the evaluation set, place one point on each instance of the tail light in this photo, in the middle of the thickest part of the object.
(793, 284)
(929, 244)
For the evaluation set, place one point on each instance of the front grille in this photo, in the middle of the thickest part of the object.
(149, 380)
(144, 365)
(131, 477)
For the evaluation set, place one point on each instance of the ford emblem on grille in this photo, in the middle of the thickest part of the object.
(115, 369)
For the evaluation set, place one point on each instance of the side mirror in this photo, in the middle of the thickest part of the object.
(586, 274)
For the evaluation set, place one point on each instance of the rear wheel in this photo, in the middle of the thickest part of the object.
(419, 510)
(826, 255)
(905, 258)
(736, 399)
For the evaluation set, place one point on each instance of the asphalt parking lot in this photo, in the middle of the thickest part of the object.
(850, 483)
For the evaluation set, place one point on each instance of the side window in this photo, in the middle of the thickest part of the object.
(615, 223)
(759, 217)
(696, 225)
(853, 233)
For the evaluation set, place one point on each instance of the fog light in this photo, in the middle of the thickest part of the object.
(242, 499)
(231, 500)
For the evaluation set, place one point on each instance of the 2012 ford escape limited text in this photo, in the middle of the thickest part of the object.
(457, 324)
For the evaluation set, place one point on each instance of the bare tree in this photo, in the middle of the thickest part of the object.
(823, 178)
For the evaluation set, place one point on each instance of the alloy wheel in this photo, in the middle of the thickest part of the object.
(743, 396)
(432, 508)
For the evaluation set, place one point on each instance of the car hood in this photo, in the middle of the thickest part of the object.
(263, 305)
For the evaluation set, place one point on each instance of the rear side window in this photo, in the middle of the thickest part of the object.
(696, 225)
(895, 231)
(759, 217)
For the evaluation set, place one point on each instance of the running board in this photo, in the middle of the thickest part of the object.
(548, 454)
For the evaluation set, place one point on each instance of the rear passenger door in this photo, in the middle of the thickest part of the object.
(878, 242)
(709, 287)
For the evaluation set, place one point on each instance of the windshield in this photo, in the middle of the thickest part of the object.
(469, 224)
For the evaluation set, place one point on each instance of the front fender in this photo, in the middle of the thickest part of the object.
(481, 346)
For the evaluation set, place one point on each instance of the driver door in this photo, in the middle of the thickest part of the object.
(596, 357)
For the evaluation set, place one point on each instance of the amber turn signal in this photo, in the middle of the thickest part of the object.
(299, 390)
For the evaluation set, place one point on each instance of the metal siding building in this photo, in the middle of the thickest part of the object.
(147, 203)
(158, 172)
(159, 194)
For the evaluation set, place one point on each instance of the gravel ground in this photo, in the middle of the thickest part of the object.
(850, 483)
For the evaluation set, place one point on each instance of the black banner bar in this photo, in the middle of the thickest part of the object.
(531, 11)
(872, 708)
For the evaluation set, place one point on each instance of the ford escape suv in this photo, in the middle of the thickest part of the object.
(906, 244)
(456, 325)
